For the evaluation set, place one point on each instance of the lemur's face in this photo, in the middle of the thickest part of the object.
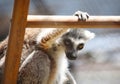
(72, 47)
(74, 41)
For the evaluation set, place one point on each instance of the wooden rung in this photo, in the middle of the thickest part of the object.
(41, 21)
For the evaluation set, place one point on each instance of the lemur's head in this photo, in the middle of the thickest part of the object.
(74, 40)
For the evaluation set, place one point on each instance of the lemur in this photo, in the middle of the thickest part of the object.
(60, 45)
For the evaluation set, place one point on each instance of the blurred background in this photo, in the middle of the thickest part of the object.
(99, 61)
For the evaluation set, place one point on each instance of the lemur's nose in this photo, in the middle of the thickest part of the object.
(71, 55)
(74, 55)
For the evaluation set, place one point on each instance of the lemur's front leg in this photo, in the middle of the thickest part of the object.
(82, 16)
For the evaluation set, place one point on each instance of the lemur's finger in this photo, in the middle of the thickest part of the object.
(87, 15)
(84, 16)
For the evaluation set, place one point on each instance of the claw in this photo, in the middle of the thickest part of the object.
(82, 15)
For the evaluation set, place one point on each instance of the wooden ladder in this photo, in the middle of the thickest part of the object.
(21, 20)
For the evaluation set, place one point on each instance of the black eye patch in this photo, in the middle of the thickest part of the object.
(80, 37)
(80, 46)
(67, 42)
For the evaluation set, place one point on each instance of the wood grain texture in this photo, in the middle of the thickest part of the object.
(72, 22)
(16, 37)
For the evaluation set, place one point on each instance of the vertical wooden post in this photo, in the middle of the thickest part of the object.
(16, 37)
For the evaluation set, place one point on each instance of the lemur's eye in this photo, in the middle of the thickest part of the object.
(80, 46)
(67, 42)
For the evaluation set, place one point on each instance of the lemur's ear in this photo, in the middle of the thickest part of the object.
(89, 35)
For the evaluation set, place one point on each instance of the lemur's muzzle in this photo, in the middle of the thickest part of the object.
(71, 55)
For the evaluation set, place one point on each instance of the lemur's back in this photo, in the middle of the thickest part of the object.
(41, 64)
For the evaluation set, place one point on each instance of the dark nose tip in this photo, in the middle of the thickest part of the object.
(71, 56)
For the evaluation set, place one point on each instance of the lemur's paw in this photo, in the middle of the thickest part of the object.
(82, 15)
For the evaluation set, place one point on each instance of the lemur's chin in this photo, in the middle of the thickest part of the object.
(70, 57)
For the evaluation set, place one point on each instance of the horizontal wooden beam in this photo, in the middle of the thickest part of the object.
(41, 21)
